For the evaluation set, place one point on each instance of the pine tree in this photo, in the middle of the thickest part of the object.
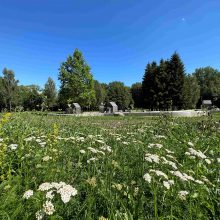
(175, 86)
(136, 91)
(149, 86)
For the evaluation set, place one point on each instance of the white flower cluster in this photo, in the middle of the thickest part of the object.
(28, 194)
(171, 163)
(95, 151)
(159, 173)
(106, 148)
(46, 158)
(66, 192)
(147, 177)
(182, 176)
(155, 145)
(193, 152)
(48, 208)
(13, 146)
(152, 158)
(182, 195)
(168, 183)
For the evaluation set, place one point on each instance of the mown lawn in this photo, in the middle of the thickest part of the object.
(109, 167)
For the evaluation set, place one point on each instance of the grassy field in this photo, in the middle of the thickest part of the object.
(109, 168)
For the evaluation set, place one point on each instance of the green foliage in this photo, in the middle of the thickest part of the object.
(100, 93)
(163, 85)
(9, 86)
(109, 173)
(77, 81)
(176, 81)
(136, 91)
(191, 92)
(120, 94)
(209, 82)
(30, 97)
(50, 93)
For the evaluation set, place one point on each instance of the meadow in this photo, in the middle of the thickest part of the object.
(109, 167)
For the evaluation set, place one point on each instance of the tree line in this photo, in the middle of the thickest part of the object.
(164, 86)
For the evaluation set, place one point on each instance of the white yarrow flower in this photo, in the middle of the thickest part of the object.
(48, 208)
(82, 151)
(49, 195)
(28, 194)
(182, 195)
(147, 177)
(13, 146)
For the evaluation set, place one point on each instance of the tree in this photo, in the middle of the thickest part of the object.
(191, 92)
(50, 93)
(209, 81)
(77, 84)
(136, 91)
(120, 94)
(149, 87)
(100, 93)
(163, 87)
(176, 81)
(9, 87)
(30, 97)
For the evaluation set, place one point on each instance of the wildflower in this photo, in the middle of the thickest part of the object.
(49, 195)
(91, 159)
(136, 190)
(166, 184)
(169, 152)
(46, 158)
(152, 158)
(160, 136)
(197, 153)
(106, 148)
(39, 215)
(180, 175)
(182, 195)
(208, 161)
(155, 145)
(42, 144)
(199, 182)
(159, 173)
(115, 163)
(100, 141)
(30, 138)
(45, 186)
(48, 208)
(171, 163)
(91, 181)
(28, 194)
(190, 144)
(66, 192)
(147, 177)
(117, 186)
(82, 151)
(13, 146)
(93, 150)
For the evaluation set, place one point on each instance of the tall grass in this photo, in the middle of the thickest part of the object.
(105, 160)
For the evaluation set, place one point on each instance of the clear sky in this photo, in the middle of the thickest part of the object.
(117, 37)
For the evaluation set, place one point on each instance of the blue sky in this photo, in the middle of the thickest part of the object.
(117, 37)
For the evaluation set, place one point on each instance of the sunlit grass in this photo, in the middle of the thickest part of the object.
(103, 161)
